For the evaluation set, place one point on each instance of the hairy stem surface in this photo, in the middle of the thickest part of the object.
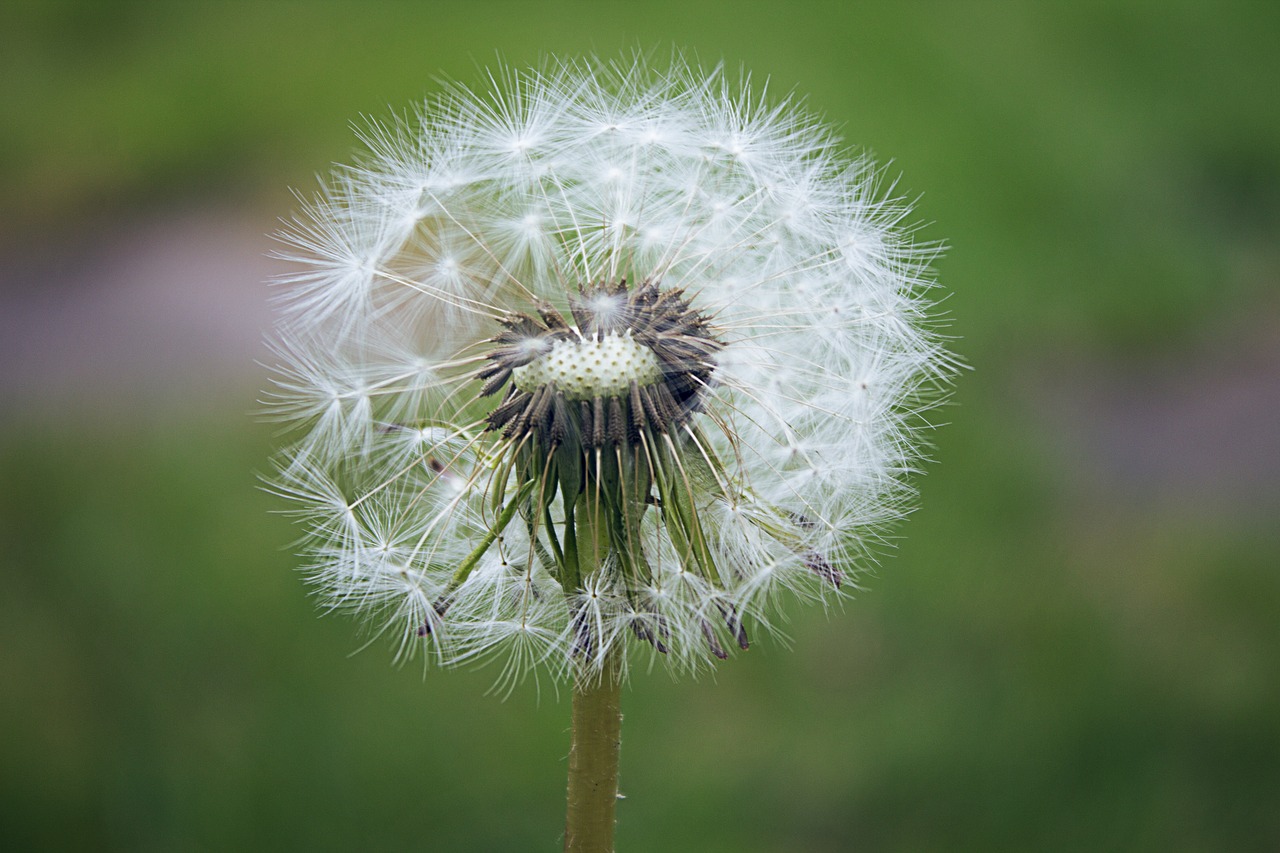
(593, 761)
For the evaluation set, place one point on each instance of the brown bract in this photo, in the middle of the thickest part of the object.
(680, 336)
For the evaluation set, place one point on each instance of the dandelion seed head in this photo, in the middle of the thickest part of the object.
(600, 357)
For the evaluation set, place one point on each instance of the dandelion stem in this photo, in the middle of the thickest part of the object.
(593, 759)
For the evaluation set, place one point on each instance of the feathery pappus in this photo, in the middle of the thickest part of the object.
(604, 358)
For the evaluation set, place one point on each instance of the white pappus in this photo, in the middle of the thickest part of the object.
(600, 362)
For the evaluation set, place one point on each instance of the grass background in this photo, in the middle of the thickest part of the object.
(1075, 647)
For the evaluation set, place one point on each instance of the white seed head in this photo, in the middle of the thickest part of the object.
(606, 358)
(596, 367)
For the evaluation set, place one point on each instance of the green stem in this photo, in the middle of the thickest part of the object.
(469, 562)
(593, 760)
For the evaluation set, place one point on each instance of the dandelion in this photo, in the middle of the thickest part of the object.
(596, 368)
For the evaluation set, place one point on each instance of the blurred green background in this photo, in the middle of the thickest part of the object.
(1076, 645)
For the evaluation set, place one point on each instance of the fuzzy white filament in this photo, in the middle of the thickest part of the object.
(599, 277)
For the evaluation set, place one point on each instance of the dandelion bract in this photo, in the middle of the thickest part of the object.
(602, 358)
